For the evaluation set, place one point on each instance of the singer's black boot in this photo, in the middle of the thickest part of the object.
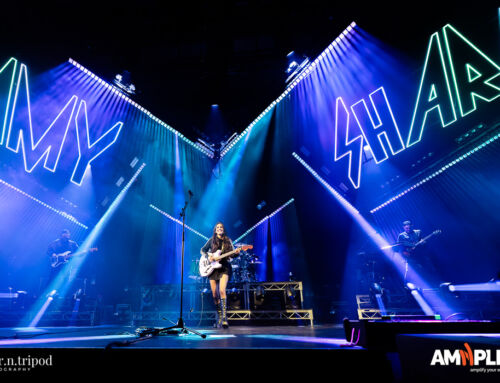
(218, 317)
(224, 313)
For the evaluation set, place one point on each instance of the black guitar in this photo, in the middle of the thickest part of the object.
(409, 251)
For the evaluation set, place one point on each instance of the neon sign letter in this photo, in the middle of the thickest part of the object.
(352, 136)
(88, 152)
(4, 72)
(50, 144)
(434, 93)
(384, 125)
(473, 78)
(47, 146)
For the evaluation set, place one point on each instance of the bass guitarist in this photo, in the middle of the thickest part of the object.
(219, 277)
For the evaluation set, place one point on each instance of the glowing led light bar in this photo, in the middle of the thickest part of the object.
(61, 213)
(325, 184)
(178, 221)
(136, 105)
(305, 72)
(129, 183)
(263, 219)
(436, 173)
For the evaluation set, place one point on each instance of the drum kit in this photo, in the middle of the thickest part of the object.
(244, 267)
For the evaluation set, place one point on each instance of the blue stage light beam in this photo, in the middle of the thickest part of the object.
(44, 308)
(96, 231)
(60, 284)
(214, 204)
(380, 304)
(396, 259)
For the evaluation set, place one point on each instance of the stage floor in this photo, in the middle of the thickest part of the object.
(267, 351)
(236, 337)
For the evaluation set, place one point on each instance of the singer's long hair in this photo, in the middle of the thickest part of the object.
(216, 241)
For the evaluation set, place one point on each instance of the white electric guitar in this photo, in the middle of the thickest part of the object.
(207, 267)
(57, 260)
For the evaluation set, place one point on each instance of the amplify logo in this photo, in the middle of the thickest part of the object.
(476, 357)
(18, 135)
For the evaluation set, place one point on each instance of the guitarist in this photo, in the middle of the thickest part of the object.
(219, 277)
(408, 238)
(60, 245)
(410, 243)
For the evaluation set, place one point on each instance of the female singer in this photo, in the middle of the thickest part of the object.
(219, 277)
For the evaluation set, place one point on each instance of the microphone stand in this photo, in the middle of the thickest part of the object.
(180, 323)
(179, 328)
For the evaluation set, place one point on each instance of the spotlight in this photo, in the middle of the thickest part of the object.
(261, 205)
(124, 83)
(447, 289)
(290, 292)
(376, 288)
(234, 299)
(296, 63)
(411, 286)
(446, 286)
(290, 298)
(367, 153)
(215, 106)
(259, 294)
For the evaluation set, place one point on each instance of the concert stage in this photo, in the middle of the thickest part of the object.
(270, 169)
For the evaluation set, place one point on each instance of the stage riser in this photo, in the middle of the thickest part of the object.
(199, 297)
(244, 317)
